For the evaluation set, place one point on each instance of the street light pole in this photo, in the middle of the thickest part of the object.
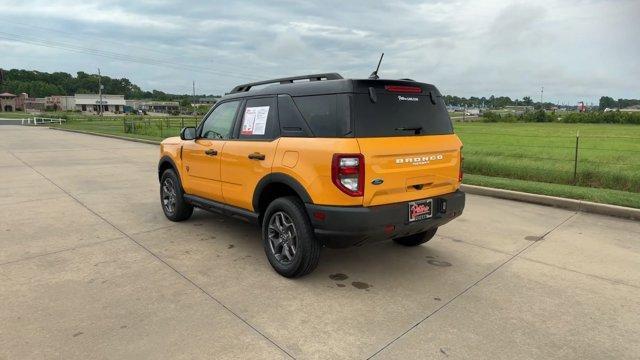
(100, 92)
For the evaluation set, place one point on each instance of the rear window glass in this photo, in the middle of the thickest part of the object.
(326, 115)
(400, 115)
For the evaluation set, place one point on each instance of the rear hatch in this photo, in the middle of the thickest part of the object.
(407, 140)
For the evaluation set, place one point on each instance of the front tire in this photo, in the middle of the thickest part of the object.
(288, 238)
(417, 239)
(172, 197)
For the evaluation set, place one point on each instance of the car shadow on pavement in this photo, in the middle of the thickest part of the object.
(363, 268)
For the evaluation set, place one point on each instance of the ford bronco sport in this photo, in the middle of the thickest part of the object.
(319, 160)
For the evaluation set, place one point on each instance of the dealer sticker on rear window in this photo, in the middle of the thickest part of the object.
(254, 121)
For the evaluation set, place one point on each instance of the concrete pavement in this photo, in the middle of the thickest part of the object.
(90, 268)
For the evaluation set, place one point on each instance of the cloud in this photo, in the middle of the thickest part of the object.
(98, 12)
(577, 50)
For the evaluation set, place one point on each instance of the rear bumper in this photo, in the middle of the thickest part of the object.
(344, 226)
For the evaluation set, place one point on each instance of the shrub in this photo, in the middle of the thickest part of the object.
(596, 117)
(592, 117)
(489, 116)
(536, 116)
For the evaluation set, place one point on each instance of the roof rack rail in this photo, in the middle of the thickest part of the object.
(287, 80)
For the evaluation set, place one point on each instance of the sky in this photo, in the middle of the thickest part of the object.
(577, 50)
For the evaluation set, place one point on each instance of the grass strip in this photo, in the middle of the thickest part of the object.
(603, 196)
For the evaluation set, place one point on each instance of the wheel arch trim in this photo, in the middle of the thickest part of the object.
(167, 160)
(282, 179)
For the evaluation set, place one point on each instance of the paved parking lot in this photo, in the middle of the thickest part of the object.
(90, 268)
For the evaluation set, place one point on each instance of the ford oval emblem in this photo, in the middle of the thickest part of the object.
(377, 181)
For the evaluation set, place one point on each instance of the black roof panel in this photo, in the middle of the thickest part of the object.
(335, 85)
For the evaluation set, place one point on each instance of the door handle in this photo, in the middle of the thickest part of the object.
(256, 156)
(211, 152)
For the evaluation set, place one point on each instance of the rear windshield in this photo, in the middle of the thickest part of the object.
(400, 115)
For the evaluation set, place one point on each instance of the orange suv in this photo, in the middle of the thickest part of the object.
(319, 160)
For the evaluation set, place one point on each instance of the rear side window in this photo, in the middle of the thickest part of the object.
(291, 122)
(400, 115)
(326, 115)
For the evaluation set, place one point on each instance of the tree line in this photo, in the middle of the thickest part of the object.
(590, 117)
(491, 102)
(607, 102)
(41, 84)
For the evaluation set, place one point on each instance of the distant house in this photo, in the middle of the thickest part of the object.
(632, 108)
(149, 106)
(35, 104)
(207, 100)
(519, 108)
(10, 102)
(7, 102)
(60, 103)
(91, 103)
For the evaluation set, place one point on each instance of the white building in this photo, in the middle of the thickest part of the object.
(150, 106)
(90, 103)
(60, 103)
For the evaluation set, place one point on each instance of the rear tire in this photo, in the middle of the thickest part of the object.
(288, 238)
(417, 239)
(172, 197)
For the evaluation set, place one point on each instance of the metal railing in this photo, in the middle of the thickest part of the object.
(42, 121)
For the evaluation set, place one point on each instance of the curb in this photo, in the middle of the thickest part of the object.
(10, 122)
(144, 141)
(570, 204)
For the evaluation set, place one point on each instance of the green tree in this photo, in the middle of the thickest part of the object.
(185, 102)
(607, 102)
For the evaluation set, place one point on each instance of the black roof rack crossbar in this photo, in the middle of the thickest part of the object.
(287, 80)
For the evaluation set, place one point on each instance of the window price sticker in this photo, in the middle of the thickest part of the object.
(254, 121)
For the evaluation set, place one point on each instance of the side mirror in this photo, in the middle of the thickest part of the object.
(188, 133)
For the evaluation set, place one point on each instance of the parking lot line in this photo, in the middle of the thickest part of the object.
(211, 296)
(469, 288)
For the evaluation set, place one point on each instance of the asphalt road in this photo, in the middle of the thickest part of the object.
(90, 268)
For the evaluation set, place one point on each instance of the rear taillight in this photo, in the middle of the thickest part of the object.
(461, 172)
(347, 173)
(403, 89)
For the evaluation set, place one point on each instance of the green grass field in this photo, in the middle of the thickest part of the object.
(605, 196)
(152, 128)
(608, 155)
(530, 157)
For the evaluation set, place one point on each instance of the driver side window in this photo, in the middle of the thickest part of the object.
(219, 124)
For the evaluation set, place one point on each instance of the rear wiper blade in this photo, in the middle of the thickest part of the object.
(416, 130)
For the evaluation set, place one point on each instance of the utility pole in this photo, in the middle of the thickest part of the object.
(100, 92)
(193, 101)
(541, 94)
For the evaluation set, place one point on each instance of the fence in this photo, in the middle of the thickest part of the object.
(160, 127)
(603, 161)
(147, 127)
(41, 121)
